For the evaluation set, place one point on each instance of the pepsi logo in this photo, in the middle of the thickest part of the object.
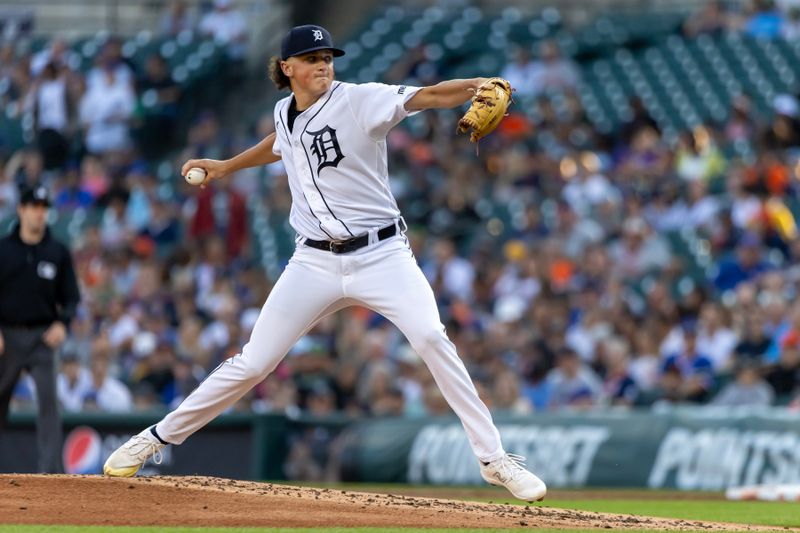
(82, 451)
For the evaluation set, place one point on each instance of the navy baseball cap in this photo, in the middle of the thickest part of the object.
(35, 195)
(307, 38)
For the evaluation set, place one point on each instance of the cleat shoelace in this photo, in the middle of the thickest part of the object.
(511, 466)
(144, 445)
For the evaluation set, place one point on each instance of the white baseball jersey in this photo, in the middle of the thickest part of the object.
(335, 157)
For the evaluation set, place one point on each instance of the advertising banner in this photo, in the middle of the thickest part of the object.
(704, 449)
(225, 449)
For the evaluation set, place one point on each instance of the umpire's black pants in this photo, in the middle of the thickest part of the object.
(25, 350)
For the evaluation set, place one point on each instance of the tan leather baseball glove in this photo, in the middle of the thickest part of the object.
(488, 108)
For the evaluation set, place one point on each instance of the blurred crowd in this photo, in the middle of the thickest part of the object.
(573, 268)
(768, 19)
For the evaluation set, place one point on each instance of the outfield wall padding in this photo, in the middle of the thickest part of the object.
(688, 449)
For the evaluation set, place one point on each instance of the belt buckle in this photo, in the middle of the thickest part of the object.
(333, 246)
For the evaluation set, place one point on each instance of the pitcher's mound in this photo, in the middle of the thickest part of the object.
(206, 501)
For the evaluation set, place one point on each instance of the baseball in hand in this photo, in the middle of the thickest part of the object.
(195, 176)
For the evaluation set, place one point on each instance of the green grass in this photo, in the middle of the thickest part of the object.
(669, 504)
(761, 513)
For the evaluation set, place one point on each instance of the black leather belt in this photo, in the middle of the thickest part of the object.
(351, 245)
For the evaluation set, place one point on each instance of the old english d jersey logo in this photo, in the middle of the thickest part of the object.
(325, 146)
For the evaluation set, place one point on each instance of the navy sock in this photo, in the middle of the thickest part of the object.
(153, 431)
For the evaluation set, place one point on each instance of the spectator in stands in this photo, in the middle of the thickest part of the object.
(204, 139)
(72, 382)
(450, 275)
(163, 227)
(589, 188)
(741, 124)
(159, 95)
(640, 118)
(521, 72)
(619, 386)
(176, 17)
(765, 22)
(9, 193)
(26, 168)
(409, 367)
(645, 157)
(576, 234)
(221, 211)
(186, 376)
(702, 210)
(50, 102)
(144, 397)
(746, 266)
(645, 366)
(228, 26)
(590, 330)
(715, 339)
(784, 130)
(320, 401)
(106, 110)
(72, 195)
(553, 72)
(141, 187)
(114, 230)
(415, 68)
(573, 383)
(784, 374)
(121, 324)
(639, 250)
(81, 336)
(8, 61)
(695, 369)
(57, 53)
(748, 389)
(753, 341)
(505, 395)
(518, 282)
(95, 177)
(105, 392)
(790, 29)
(697, 156)
(188, 343)
(156, 371)
(110, 67)
(712, 18)
(435, 404)
(19, 79)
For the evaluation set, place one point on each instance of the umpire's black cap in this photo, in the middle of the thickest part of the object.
(35, 195)
(307, 38)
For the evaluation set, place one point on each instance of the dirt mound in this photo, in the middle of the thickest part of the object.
(205, 501)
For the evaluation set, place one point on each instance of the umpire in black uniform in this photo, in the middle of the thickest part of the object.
(38, 297)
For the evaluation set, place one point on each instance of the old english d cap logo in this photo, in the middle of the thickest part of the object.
(307, 38)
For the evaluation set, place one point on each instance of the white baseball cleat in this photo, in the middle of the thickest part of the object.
(129, 458)
(509, 472)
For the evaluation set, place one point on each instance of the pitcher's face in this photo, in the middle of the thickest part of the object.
(311, 72)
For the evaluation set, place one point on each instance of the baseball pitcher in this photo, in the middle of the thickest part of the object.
(351, 248)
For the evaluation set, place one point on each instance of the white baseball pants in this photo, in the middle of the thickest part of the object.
(383, 277)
